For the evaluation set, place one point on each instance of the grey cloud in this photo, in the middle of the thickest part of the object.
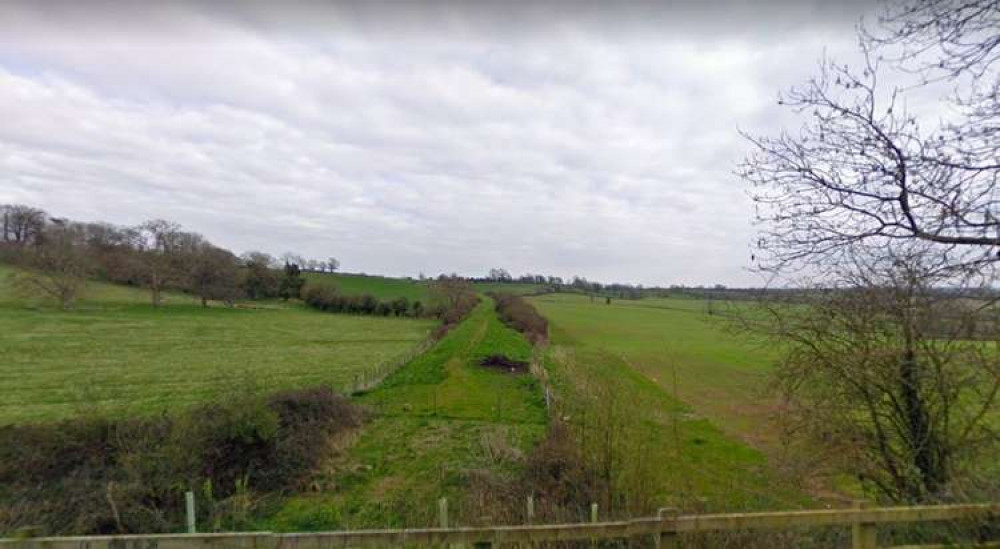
(565, 142)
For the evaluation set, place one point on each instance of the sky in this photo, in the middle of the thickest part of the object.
(596, 139)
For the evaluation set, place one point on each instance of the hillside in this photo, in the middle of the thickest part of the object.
(115, 354)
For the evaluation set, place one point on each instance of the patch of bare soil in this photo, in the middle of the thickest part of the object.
(504, 364)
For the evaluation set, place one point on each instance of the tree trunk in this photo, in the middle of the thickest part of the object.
(155, 287)
(922, 443)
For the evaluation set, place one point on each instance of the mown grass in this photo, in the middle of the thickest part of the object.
(694, 391)
(115, 354)
(381, 287)
(440, 421)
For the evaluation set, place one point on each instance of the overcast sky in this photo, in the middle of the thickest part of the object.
(561, 138)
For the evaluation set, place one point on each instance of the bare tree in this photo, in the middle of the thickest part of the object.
(451, 297)
(159, 244)
(881, 378)
(259, 277)
(57, 266)
(864, 170)
(213, 273)
(333, 264)
(20, 224)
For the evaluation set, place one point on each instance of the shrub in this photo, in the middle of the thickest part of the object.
(101, 476)
(520, 315)
(319, 296)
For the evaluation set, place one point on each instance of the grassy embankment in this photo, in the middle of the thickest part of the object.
(443, 425)
(115, 354)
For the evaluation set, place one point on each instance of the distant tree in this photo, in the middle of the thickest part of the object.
(289, 258)
(291, 283)
(57, 266)
(418, 308)
(20, 224)
(213, 274)
(451, 297)
(500, 275)
(332, 264)
(383, 308)
(259, 278)
(400, 306)
(159, 257)
(367, 304)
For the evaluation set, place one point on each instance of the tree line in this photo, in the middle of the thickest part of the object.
(58, 256)
(558, 283)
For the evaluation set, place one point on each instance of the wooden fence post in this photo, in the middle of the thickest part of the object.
(531, 509)
(593, 518)
(666, 540)
(863, 534)
(189, 506)
(443, 512)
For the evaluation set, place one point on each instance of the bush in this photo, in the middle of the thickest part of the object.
(520, 315)
(102, 476)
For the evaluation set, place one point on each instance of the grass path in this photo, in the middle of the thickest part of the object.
(441, 421)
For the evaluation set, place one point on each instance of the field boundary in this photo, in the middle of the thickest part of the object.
(861, 518)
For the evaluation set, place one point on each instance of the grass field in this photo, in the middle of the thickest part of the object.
(510, 287)
(438, 420)
(115, 354)
(695, 389)
(722, 376)
(387, 288)
(380, 287)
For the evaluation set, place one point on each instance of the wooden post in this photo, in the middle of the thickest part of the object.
(593, 518)
(443, 512)
(666, 540)
(863, 534)
(531, 509)
(189, 505)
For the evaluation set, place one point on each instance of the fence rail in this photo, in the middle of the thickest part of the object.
(863, 521)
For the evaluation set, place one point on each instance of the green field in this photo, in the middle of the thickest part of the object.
(438, 420)
(721, 375)
(388, 288)
(115, 354)
(381, 287)
(693, 390)
(519, 288)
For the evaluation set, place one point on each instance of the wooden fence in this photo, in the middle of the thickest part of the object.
(664, 528)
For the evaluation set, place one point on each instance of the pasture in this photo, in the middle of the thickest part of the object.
(387, 288)
(676, 345)
(438, 420)
(677, 386)
(381, 287)
(115, 354)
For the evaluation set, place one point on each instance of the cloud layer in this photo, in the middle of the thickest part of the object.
(427, 140)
